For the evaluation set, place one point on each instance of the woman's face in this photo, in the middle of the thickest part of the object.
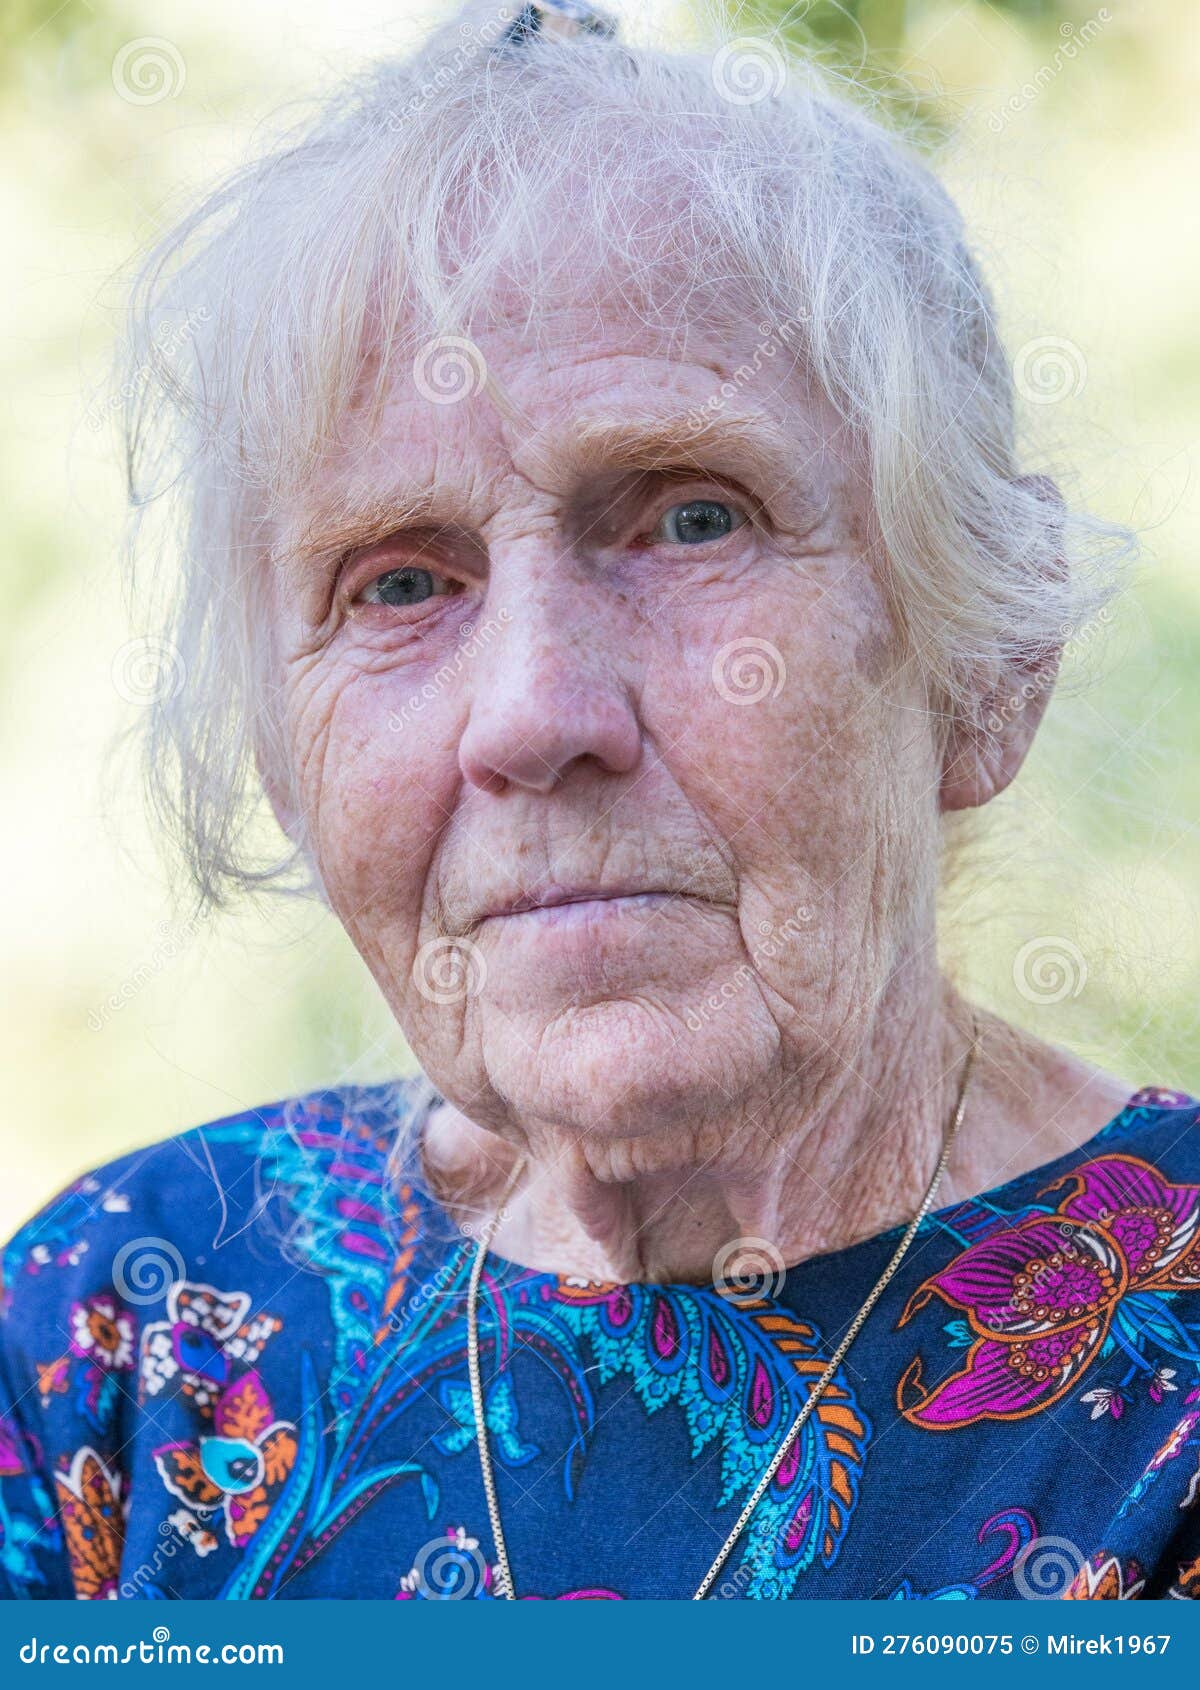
(623, 642)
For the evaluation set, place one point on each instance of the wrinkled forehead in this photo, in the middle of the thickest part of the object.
(554, 366)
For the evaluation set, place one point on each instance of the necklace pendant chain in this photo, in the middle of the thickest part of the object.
(505, 1587)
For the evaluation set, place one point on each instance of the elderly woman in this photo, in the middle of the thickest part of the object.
(605, 551)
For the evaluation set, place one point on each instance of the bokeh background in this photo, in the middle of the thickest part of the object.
(1072, 137)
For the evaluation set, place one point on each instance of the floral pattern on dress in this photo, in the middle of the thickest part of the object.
(292, 1415)
(1105, 1578)
(240, 1467)
(205, 1335)
(1013, 1529)
(103, 1333)
(92, 1511)
(1048, 1293)
(24, 1531)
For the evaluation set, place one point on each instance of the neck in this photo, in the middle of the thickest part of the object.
(811, 1168)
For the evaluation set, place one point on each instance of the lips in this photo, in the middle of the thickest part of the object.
(556, 896)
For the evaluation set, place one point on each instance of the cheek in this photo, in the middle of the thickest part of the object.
(798, 731)
(376, 782)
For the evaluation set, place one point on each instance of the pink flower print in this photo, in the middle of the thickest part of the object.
(1105, 1400)
(1161, 1382)
(1041, 1291)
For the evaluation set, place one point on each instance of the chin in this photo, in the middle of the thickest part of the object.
(626, 1069)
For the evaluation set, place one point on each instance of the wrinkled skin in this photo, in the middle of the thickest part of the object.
(731, 724)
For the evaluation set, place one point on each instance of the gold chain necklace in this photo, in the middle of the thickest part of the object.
(504, 1582)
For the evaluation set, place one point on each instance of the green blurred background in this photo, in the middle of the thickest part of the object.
(1071, 136)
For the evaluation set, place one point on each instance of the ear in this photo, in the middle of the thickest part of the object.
(983, 754)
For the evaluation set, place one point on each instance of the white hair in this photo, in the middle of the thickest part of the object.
(317, 274)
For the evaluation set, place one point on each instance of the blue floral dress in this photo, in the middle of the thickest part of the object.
(234, 1366)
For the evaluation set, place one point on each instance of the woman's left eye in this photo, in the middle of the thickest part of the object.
(698, 520)
(406, 585)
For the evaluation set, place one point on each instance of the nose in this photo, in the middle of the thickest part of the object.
(548, 691)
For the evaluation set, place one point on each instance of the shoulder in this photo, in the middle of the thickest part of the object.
(1158, 1123)
(1147, 1155)
(1135, 1188)
(149, 1284)
(226, 1197)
